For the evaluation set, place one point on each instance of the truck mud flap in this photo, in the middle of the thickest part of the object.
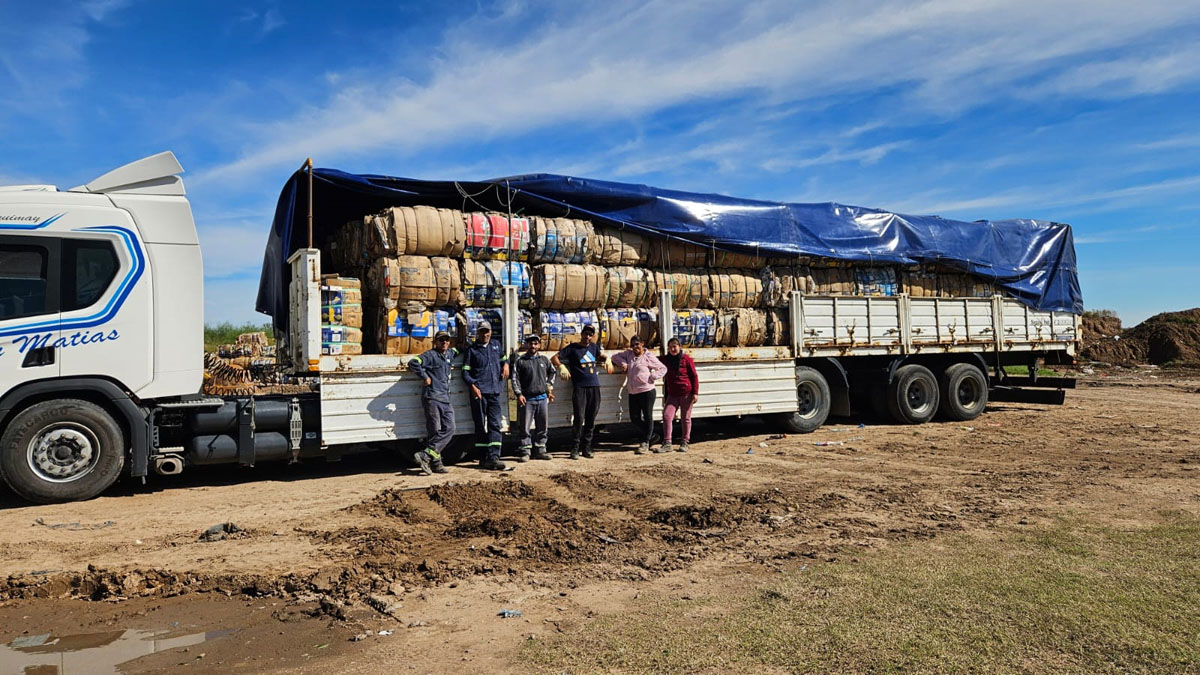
(1015, 395)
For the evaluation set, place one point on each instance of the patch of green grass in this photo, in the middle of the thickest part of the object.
(1024, 370)
(1067, 597)
(226, 333)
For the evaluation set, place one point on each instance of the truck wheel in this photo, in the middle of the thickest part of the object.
(912, 395)
(964, 392)
(813, 398)
(61, 451)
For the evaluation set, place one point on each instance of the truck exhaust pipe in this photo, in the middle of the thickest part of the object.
(168, 465)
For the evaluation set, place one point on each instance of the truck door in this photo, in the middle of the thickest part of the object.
(29, 310)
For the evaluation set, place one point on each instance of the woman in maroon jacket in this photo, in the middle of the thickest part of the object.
(681, 388)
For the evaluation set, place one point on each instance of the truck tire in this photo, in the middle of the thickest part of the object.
(964, 392)
(912, 395)
(814, 400)
(62, 450)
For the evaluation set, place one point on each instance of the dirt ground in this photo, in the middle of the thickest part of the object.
(420, 569)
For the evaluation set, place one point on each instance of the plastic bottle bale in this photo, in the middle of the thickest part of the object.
(496, 236)
(695, 327)
(619, 247)
(473, 316)
(551, 241)
(585, 236)
(618, 326)
(879, 280)
(568, 287)
(629, 287)
(777, 328)
(670, 253)
(340, 340)
(559, 329)
(483, 282)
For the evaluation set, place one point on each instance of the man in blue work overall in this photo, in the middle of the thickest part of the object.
(434, 368)
(486, 371)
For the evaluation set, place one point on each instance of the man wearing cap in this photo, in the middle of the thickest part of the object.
(533, 384)
(485, 370)
(434, 367)
(581, 359)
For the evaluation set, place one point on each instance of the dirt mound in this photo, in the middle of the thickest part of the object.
(1167, 338)
(391, 503)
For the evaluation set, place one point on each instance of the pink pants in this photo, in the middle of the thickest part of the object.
(684, 405)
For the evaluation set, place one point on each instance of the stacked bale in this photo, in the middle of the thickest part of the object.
(569, 287)
(631, 287)
(619, 326)
(741, 327)
(734, 289)
(611, 246)
(409, 329)
(876, 281)
(341, 316)
(559, 329)
(833, 280)
(780, 280)
(496, 236)
(689, 288)
(672, 253)
(483, 282)
(559, 240)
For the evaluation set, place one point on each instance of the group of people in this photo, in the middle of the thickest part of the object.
(486, 369)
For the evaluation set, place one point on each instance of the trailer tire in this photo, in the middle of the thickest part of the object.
(813, 400)
(964, 392)
(62, 450)
(912, 395)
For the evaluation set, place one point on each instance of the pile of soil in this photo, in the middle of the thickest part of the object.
(1167, 338)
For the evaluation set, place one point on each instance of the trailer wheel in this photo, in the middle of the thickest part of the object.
(813, 399)
(964, 392)
(61, 451)
(912, 395)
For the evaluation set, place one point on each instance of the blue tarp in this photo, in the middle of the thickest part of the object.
(1032, 260)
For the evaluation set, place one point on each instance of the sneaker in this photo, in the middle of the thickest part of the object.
(642, 449)
(438, 467)
(683, 447)
(540, 453)
(665, 447)
(422, 460)
(588, 454)
(492, 465)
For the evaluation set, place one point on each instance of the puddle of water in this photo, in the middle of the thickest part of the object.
(48, 654)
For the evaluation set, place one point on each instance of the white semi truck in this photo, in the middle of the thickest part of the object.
(101, 353)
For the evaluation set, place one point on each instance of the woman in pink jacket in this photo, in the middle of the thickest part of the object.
(643, 369)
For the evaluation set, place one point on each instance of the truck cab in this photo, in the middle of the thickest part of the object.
(101, 311)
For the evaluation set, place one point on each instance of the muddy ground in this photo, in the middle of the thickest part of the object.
(324, 553)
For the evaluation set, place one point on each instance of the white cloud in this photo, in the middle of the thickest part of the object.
(500, 76)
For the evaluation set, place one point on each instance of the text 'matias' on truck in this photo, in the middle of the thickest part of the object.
(101, 322)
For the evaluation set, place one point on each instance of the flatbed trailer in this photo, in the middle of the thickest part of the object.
(101, 364)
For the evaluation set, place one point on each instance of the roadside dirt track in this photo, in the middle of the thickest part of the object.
(327, 552)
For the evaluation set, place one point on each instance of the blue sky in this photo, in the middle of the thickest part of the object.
(1079, 112)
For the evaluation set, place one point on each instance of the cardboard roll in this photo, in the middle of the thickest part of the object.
(689, 288)
(671, 253)
(411, 331)
(559, 240)
(569, 287)
(497, 236)
(834, 280)
(612, 246)
(423, 230)
(780, 280)
(559, 329)
(695, 327)
(727, 259)
(477, 315)
(958, 285)
(354, 245)
(880, 280)
(620, 325)
(741, 328)
(629, 287)
(483, 282)
(734, 289)
(410, 278)
(777, 328)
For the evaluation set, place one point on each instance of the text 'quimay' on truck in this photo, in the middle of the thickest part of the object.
(789, 310)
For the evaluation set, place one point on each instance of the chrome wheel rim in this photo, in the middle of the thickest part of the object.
(62, 452)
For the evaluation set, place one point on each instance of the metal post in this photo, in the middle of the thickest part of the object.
(304, 293)
(666, 320)
(309, 166)
(796, 319)
(510, 312)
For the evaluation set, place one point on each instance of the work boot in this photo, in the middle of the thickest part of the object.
(438, 467)
(588, 454)
(540, 453)
(665, 447)
(422, 460)
(642, 449)
(683, 447)
(492, 465)
(523, 456)
(574, 453)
